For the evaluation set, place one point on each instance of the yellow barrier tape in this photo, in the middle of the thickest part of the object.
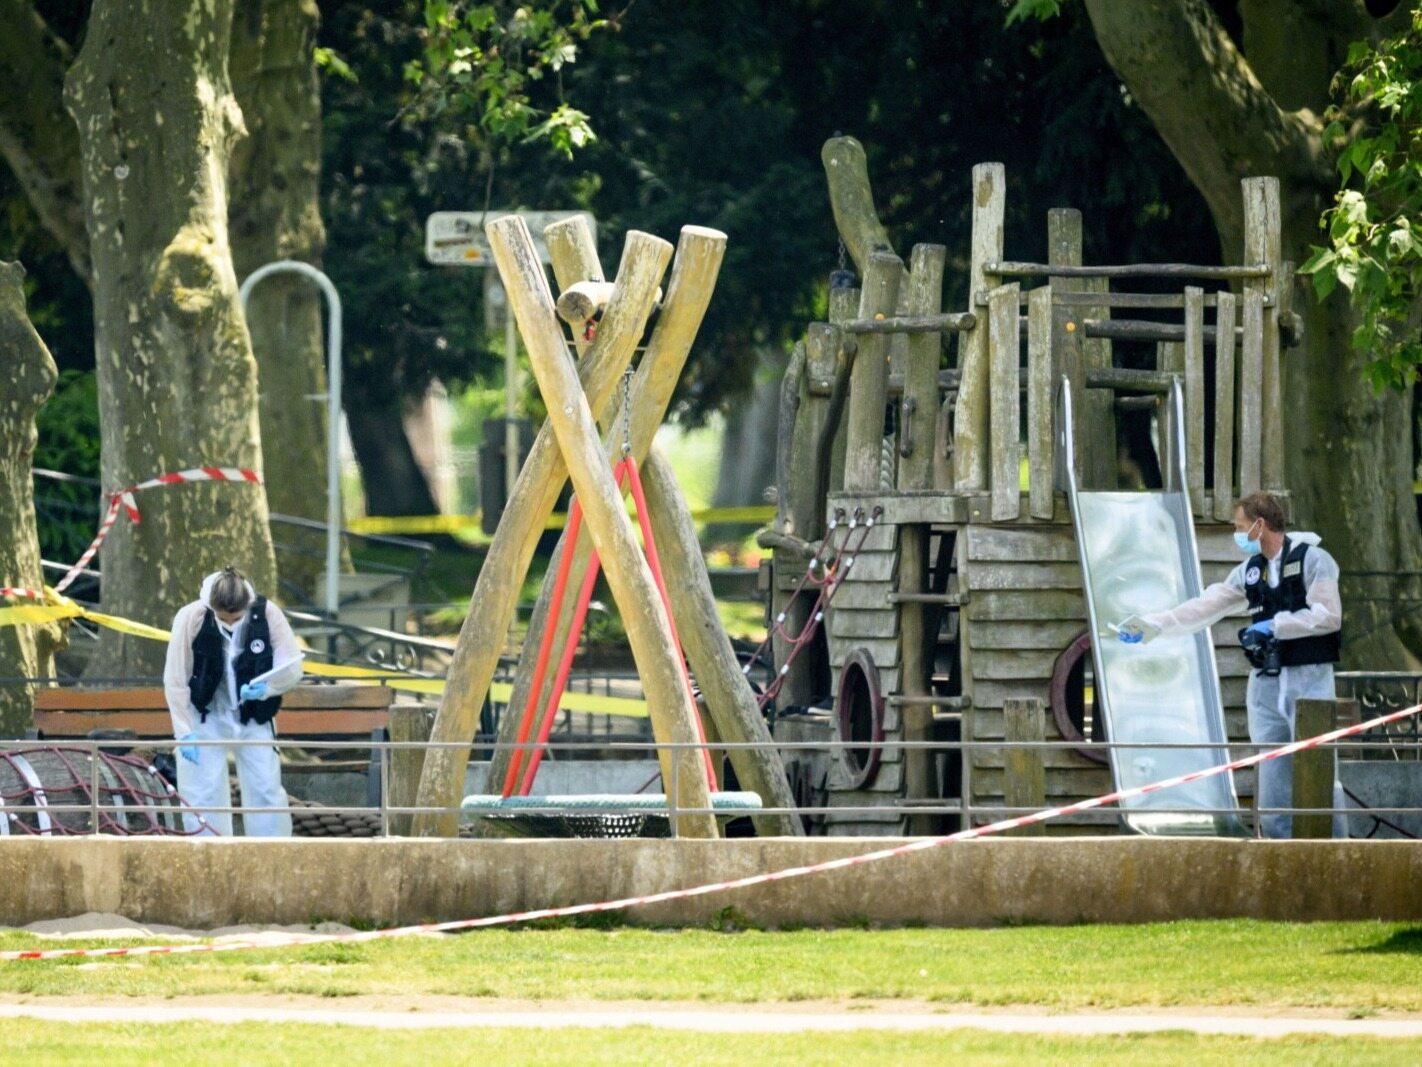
(499, 692)
(470, 524)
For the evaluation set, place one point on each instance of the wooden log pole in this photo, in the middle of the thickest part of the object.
(1195, 398)
(918, 415)
(1100, 408)
(693, 279)
(1263, 245)
(1068, 337)
(1314, 770)
(843, 306)
(496, 592)
(1251, 396)
(869, 380)
(1005, 431)
(630, 579)
(1041, 455)
(733, 711)
(970, 410)
(1024, 778)
(1224, 408)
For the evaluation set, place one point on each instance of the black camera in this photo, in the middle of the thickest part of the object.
(1262, 651)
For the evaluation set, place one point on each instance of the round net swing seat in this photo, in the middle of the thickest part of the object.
(597, 815)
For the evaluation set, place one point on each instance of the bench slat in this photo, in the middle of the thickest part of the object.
(146, 723)
(150, 698)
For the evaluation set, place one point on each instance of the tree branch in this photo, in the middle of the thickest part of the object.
(1203, 97)
(38, 139)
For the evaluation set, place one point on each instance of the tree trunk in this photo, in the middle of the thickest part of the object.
(748, 449)
(275, 214)
(1349, 457)
(177, 381)
(394, 483)
(25, 365)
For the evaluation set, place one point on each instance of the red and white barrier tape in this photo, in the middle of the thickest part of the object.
(124, 498)
(920, 845)
(21, 592)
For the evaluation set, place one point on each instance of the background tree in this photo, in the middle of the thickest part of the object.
(29, 373)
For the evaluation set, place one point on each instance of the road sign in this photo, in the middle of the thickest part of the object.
(456, 238)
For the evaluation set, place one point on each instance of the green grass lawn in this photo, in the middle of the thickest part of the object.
(1355, 968)
(206, 1043)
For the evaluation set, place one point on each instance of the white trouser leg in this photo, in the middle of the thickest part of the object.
(1271, 722)
(203, 785)
(1314, 681)
(259, 773)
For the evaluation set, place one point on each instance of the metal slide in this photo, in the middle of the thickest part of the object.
(1138, 555)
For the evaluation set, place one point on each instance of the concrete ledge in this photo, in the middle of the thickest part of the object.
(209, 883)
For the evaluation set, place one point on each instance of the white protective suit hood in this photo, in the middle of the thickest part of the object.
(205, 594)
(1307, 537)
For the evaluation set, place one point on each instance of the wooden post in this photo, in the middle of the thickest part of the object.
(970, 419)
(843, 307)
(1068, 336)
(869, 381)
(1005, 435)
(917, 423)
(1024, 775)
(1041, 458)
(1263, 245)
(1100, 403)
(1314, 769)
(1170, 358)
(1195, 398)
(643, 615)
(1251, 396)
(1224, 407)
(496, 592)
(408, 722)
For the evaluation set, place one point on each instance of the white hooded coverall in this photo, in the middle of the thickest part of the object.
(204, 785)
(1272, 701)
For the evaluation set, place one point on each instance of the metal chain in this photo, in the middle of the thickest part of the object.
(841, 253)
(626, 418)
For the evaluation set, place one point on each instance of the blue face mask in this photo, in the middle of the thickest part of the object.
(1245, 544)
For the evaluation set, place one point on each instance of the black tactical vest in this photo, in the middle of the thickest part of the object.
(254, 658)
(1291, 594)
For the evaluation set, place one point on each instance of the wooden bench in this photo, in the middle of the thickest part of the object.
(306, 711)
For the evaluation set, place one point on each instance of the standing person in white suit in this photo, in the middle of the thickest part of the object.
(221, 686)
(1289, 583)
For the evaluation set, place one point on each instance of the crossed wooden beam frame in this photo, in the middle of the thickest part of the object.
(570, 445)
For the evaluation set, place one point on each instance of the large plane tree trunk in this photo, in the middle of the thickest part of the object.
(275, 214)
(1227, 114)
(177, 381)
(29, 373)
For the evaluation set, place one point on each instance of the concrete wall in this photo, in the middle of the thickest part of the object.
(211, 883)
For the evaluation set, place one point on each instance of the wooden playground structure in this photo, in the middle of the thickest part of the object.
(957, 611)
(924, 583)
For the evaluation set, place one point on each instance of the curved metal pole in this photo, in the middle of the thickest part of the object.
(333, 398)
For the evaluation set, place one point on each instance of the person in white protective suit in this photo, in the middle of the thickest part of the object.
(231, 656)
(1290, 586)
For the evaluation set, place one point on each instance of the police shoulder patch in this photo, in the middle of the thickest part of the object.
(257, 647)
(1251, 576)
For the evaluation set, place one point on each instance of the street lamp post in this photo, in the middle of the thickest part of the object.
(333, 398)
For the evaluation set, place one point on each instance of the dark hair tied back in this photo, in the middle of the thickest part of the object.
(229, 592)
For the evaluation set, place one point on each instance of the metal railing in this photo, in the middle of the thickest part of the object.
(966, 814)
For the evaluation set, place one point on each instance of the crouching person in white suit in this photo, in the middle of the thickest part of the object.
(221, 686)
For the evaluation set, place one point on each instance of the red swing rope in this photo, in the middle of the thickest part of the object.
(624, 472)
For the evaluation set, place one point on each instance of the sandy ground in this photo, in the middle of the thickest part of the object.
(95, 924)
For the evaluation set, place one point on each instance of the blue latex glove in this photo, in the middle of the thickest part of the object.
(253, 691)
(1130, 637)
(188, 752)
(1266, 627)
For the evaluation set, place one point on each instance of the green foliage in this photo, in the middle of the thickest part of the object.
(1374, 227)
(483, 64)
(1025, 10)
(68, 427)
